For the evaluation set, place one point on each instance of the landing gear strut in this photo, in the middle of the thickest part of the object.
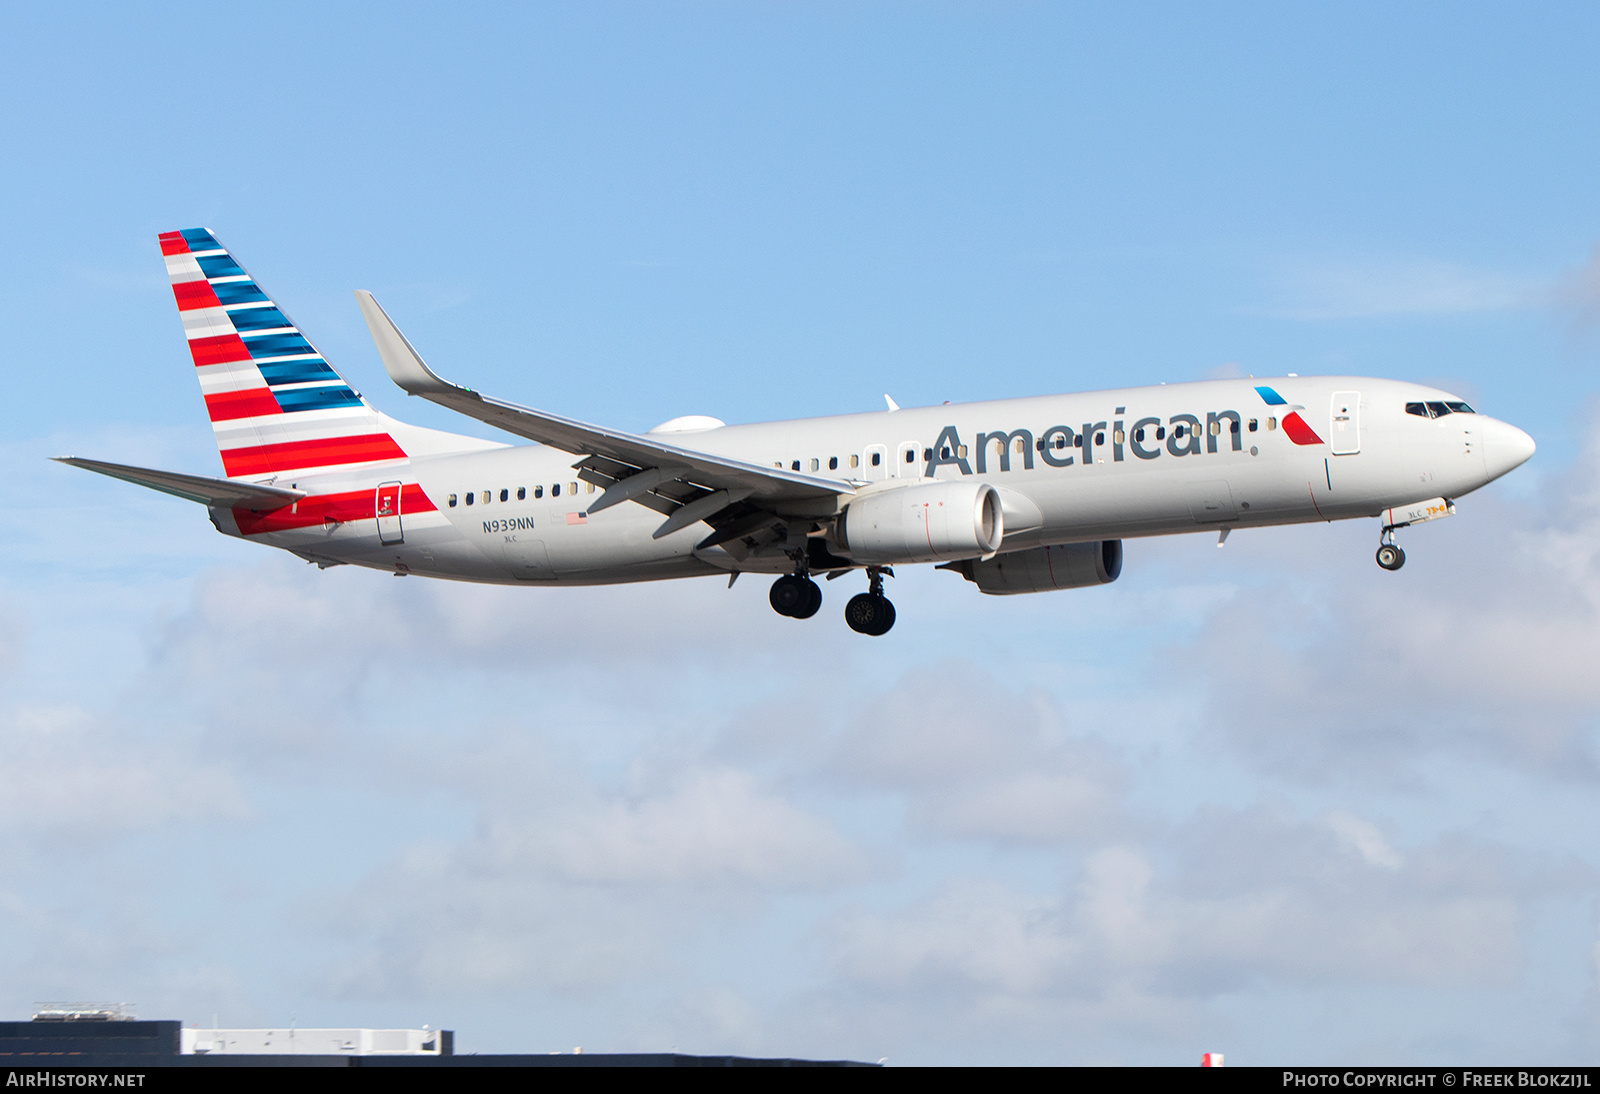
(1390, 556)
(870, 612)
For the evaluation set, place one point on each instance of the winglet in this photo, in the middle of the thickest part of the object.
(405, 364)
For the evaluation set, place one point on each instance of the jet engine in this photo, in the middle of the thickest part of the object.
(927, 523)
(1040, 569)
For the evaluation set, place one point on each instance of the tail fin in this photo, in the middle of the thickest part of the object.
(277, 406)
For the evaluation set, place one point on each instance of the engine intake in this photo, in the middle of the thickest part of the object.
(1040, 569)
(929, 523)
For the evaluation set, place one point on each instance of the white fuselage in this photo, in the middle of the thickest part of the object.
(1158, 461)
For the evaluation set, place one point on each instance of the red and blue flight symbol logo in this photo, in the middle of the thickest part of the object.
(1293, 425)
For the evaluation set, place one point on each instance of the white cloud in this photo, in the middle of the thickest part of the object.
(1365, 838)
(569, 885)
(977, 760)
(65, 774)
(713, 827)
(1244, 897)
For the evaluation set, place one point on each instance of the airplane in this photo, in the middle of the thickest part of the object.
(1014, 495)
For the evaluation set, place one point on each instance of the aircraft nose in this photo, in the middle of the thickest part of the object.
(1505, 447)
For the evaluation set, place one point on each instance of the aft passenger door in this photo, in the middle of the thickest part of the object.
(386, 506)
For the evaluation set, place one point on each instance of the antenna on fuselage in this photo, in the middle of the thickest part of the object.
(893, 406)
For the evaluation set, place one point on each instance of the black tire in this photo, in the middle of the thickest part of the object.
(885, 617)
(788, 595)
(1391, 557)
(808, 607)
(862, 612)
(868, 614)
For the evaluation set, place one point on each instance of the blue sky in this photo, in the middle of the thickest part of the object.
(1267, 800)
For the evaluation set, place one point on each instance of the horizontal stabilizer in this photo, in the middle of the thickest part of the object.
(219, 493)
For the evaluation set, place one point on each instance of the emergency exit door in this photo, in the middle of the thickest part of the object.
(387, 506)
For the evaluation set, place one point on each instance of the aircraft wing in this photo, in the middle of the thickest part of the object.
(632, 467)
(221, 493)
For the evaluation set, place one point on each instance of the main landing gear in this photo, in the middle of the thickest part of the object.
(796, 596)
(870, 612)
(1390, 556)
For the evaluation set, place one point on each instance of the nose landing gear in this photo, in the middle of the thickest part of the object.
(1390, 556)
(871, 612)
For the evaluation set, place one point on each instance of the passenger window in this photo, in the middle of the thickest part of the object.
(452, 501)
(1077, 442)
(1272, 423)
(1252, 425)
(855, 461)
(522, 493)
(1216, 429)
(877, 458)
(505, 495)
(1161, 432)
(927, 454)
(555, 491)
(911, 457)
(833, 463)
(1061, 442)
(1138, 435)
(1100, 438)
(944, 452)
(795, 466)
(588, 488)
(816, 464)
(1022, 447)
(1119, 436)
(572, 488)
(961, 451)
(1233, 426)
(469, 497)
(488, 496)
(538, 491)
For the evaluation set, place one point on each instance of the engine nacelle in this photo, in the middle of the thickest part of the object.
(929, 523)
(1040, 569)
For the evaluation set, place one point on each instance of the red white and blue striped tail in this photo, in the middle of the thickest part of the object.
(277, 406)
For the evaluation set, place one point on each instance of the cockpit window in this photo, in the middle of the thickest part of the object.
(1438, 410)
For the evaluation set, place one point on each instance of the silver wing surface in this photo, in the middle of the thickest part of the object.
(736, 498)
